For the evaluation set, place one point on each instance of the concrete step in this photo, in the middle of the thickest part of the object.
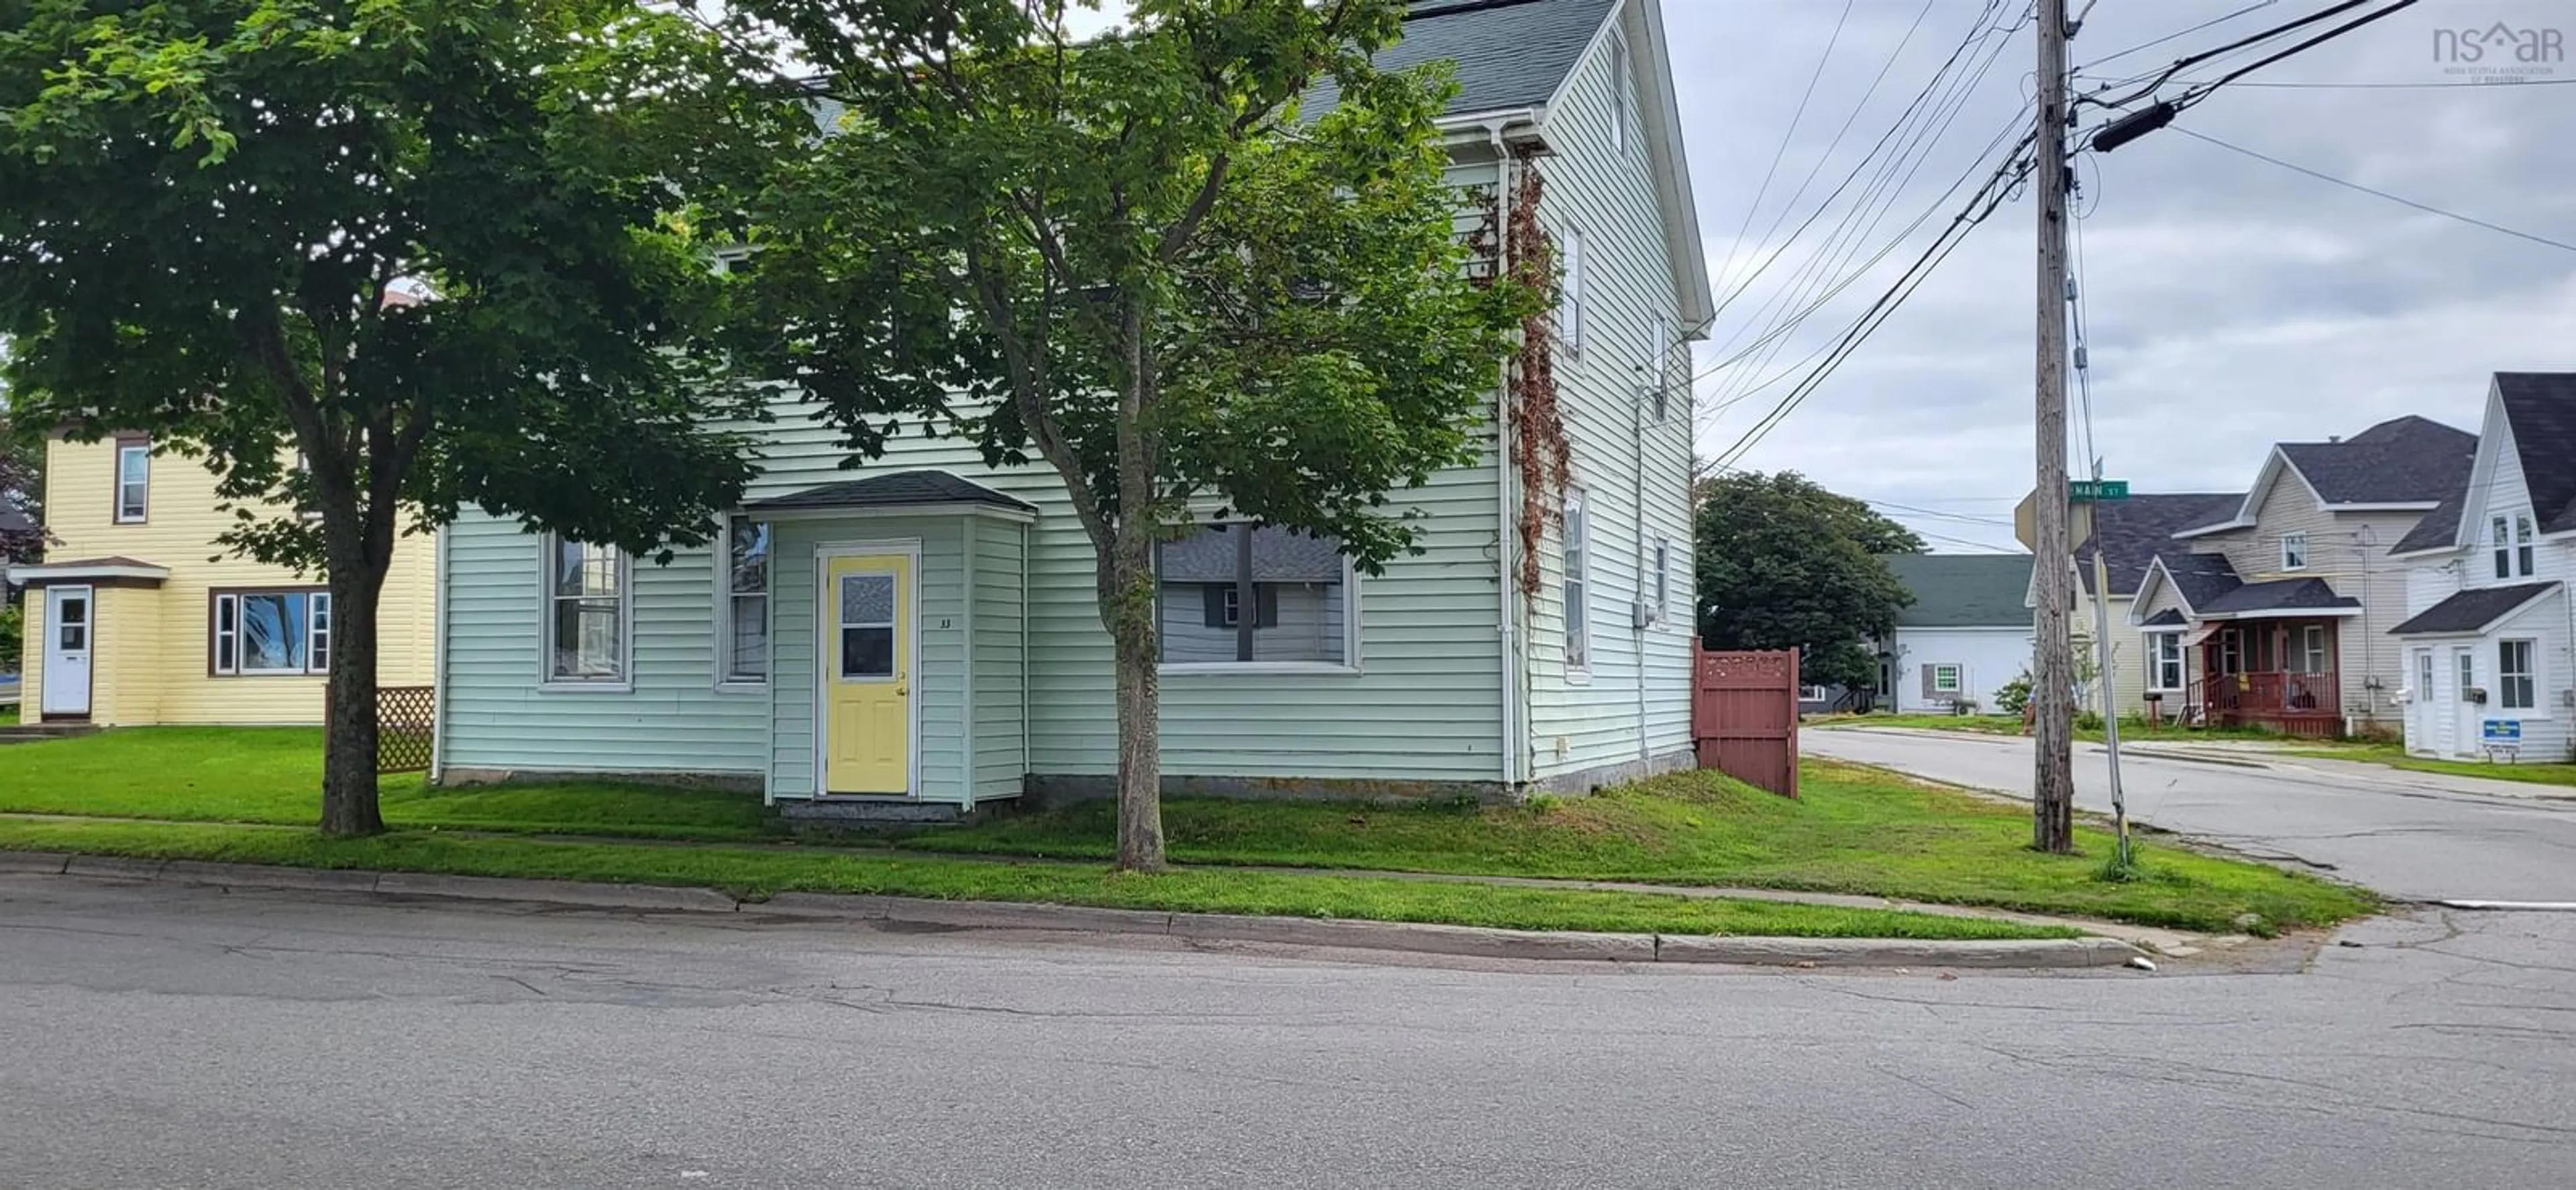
(20, 733)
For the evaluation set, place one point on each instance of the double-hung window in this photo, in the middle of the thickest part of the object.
(2164, 650)
(1618, 96)
(2513, 548)
(745, 627)
(2294, 551)
(1236, 596)
(2516, 681)
(133, 480)
(1578, 607)
(1948, 678)
(586, 613)
(270, 633)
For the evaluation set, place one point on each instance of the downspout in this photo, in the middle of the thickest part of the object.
(1024, 656)
(1639, 618)
(1505, 637)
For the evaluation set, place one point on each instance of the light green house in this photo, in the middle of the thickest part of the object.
(919, 635)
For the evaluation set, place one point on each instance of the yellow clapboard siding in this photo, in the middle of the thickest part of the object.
(151, 662)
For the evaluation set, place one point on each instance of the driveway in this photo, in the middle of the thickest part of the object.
(163, 1036)
(2405, 836)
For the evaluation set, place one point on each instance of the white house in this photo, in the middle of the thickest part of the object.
(1967, 634)
(2490, 623)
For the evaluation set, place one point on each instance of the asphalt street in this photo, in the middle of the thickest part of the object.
(2399, 833)
(153, 1035)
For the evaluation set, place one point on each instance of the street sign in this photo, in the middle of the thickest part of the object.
(2098, 489)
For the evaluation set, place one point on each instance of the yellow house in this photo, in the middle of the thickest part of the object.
(138, 617)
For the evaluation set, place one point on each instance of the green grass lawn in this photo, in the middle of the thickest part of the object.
(765, 871)
(1855, 830)
(274, 774)
(2394, 756)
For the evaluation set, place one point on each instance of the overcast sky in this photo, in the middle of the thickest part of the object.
(2231, 303)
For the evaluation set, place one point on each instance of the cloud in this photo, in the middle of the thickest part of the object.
(2230, 303)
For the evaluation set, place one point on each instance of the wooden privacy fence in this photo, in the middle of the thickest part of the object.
(406, 727)
(1744, 717)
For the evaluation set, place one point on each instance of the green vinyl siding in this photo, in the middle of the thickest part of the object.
(998, 740)
(498, 714)
(1637, 688)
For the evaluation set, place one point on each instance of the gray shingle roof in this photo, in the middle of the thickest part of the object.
(2200, 578)
(1963, 590)
(2472, 610)
(2131, 532)
(899, 488)
(2406, 460)
(2168, 618)
(2279, 595)
(1507, 53)
(2440, 528)
(2541, 407)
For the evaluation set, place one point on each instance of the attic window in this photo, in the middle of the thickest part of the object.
(2513, 550)
(2294, 551)
(1618, 97)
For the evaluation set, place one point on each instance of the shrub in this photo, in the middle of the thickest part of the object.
(2013, 697)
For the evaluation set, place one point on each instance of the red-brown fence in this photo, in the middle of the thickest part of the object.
(1744, 717)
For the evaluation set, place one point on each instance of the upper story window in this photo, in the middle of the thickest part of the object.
(133, 480)
(1659, 370)
(1578, 611)
(1569, 301)
(587, 599)
(1237, 596)
(270, 633)
(746, 601)
(1618, 96)
(2513, 545)
(1663, 563)
(2294, 551)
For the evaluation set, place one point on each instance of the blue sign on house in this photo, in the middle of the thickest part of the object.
(2503, 733)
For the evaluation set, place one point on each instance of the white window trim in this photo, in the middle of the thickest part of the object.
(1618, 95)
(547, 682)
(1662, 561)
(1813, 693)
(1578, 650)
(2513, 534)
(728, 682)
(1349, 667)
(2156, 662)
(1958, 678)
(124, 448)
(2539, 708)
(221, 665)
(2300, 541)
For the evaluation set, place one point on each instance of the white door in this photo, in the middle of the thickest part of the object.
(2469, 722)
(69, 629)
(2422, 706)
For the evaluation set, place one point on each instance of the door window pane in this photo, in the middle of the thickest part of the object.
(867, 626)
(72, 633)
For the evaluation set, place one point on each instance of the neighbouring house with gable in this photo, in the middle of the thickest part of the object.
(2277, 615)
(2126, 535)
(919, 636)
(2490, 632)
(137, 617)
(1966, 635)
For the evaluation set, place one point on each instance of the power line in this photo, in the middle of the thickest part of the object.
(2417, 86)
(2408, 202)
(2198, 93)
(2178, 65)
(1785, 137)
(2257, 5)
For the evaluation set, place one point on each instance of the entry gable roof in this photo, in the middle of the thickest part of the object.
(895, 490)
(2474, 610)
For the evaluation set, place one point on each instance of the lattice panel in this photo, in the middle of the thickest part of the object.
(406, 727)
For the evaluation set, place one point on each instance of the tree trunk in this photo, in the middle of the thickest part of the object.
(1127, 610)
(349, 807)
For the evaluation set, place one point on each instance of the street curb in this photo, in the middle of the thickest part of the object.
(2127, 749)
(1401, 937)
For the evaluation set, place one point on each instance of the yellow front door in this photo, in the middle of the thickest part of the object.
(867, 677)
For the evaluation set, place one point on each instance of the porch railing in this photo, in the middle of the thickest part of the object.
(2267, 697)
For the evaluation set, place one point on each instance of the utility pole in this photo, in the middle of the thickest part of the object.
(2053, 688)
